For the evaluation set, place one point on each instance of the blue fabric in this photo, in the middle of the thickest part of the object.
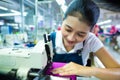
(66, 58)
(52, 37)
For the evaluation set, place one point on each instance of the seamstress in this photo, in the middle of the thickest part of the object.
(74, 42)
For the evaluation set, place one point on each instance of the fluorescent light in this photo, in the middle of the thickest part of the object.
(60, 2)
(104, 22)
(13, 14)
(3, 8)
(14, 11)
(45, 1)
(64, 7)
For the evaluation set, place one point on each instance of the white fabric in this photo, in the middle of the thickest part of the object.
(92, 44)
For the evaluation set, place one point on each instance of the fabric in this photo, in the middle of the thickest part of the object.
(57, 65)
(113, 30)
(92, 44)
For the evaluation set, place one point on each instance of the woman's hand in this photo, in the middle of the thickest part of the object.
(72, 69)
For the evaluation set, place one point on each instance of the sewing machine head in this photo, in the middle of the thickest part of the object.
(21, 61)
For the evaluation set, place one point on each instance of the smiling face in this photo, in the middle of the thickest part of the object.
(73, 31)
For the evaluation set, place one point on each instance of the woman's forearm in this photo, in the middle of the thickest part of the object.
(76, 69)
(107, 73)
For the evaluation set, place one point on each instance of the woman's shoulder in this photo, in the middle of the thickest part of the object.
(94, 42)
(91, 36)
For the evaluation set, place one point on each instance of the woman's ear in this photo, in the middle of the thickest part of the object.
(92, 29)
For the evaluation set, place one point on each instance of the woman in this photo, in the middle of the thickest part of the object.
(75, 41)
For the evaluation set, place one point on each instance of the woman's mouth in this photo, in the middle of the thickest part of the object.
(70, 42)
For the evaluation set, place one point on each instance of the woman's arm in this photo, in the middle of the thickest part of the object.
(107, 73)
(76, 69)
(111, 72)
(112, 67)
(107, 60)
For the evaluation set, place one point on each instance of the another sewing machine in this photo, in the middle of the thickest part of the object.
(22, 64)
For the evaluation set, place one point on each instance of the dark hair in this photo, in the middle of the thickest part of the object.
(85, 10)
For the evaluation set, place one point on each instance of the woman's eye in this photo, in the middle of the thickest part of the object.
(80, 35)
(68, 30)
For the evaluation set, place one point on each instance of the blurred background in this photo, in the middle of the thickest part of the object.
(23, 22)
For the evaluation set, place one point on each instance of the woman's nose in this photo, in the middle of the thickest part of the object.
(72, 37)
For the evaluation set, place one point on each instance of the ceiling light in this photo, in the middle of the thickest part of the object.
(60, 2)
(64, 7)
(3, 8)
(104, 22)
(14, 11)
(13, 14)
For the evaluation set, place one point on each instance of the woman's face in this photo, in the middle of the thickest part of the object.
(73, 31)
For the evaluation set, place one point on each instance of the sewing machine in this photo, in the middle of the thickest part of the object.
(22, 64)
(28, 64)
